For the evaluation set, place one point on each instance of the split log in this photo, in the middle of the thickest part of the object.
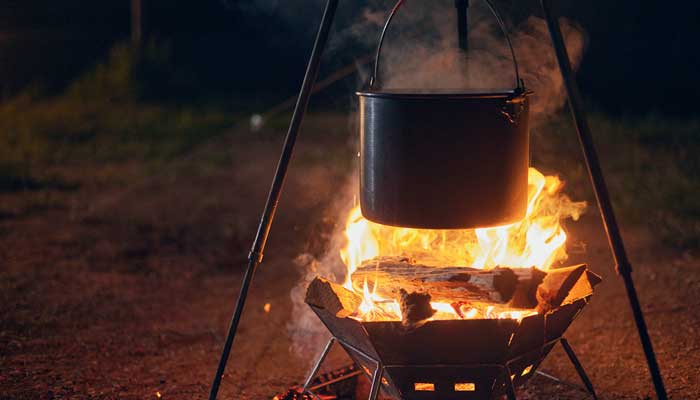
(453, 285)
(565, 285)
(449, 284)
(334, 298)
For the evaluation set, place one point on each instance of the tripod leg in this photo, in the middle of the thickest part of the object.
(462, 24)
(317, 366)
(579, 368)
(622, 264)
(256, 254)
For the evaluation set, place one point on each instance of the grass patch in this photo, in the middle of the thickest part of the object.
(651, 165)
(114, 112)
(64, 130)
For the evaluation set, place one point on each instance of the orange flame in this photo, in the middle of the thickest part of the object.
(537, 240)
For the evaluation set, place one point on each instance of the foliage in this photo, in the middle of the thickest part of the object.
(651, 165)
(111, 113)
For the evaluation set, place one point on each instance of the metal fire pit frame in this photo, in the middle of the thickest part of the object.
(507, 376)
(493, 356)
(623, 266)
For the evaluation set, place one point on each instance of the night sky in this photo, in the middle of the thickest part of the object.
(641, 55)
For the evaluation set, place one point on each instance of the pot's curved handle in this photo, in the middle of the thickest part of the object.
(375, 70)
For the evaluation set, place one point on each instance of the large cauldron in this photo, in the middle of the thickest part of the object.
(443, 160)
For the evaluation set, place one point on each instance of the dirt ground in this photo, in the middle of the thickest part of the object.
(124, 291)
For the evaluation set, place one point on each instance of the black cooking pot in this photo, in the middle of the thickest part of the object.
(443, 160)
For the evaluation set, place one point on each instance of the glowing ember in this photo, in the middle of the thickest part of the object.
(537, 240)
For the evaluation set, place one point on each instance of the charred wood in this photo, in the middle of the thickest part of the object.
(415, 308)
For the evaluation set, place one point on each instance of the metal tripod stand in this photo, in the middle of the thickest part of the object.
(623, 266)
(595, 173)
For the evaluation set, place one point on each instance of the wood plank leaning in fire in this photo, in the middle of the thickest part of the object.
(564, 285)
(334, 298)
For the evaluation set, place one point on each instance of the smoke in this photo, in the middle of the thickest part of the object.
(305, 329)
(536, 60)
(420, 53)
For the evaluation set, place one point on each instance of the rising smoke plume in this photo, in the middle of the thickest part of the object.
(421, 52)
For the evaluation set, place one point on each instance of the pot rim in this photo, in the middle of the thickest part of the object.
(443, 94)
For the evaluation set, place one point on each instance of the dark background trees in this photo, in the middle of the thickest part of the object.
(641, 55)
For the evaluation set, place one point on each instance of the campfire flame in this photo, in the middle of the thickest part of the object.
(537, 240)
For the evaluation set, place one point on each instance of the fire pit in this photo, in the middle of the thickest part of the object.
(450, 359)
(454, 359)
(434, 314)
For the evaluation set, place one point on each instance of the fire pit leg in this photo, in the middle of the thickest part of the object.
(318, 364)
(376, 382)
(579, 368)
(510, 388)
(378, 371)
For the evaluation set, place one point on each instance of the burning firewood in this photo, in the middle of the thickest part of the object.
(389, 275)
(334, 298)
(502, 288)
(564, 284)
